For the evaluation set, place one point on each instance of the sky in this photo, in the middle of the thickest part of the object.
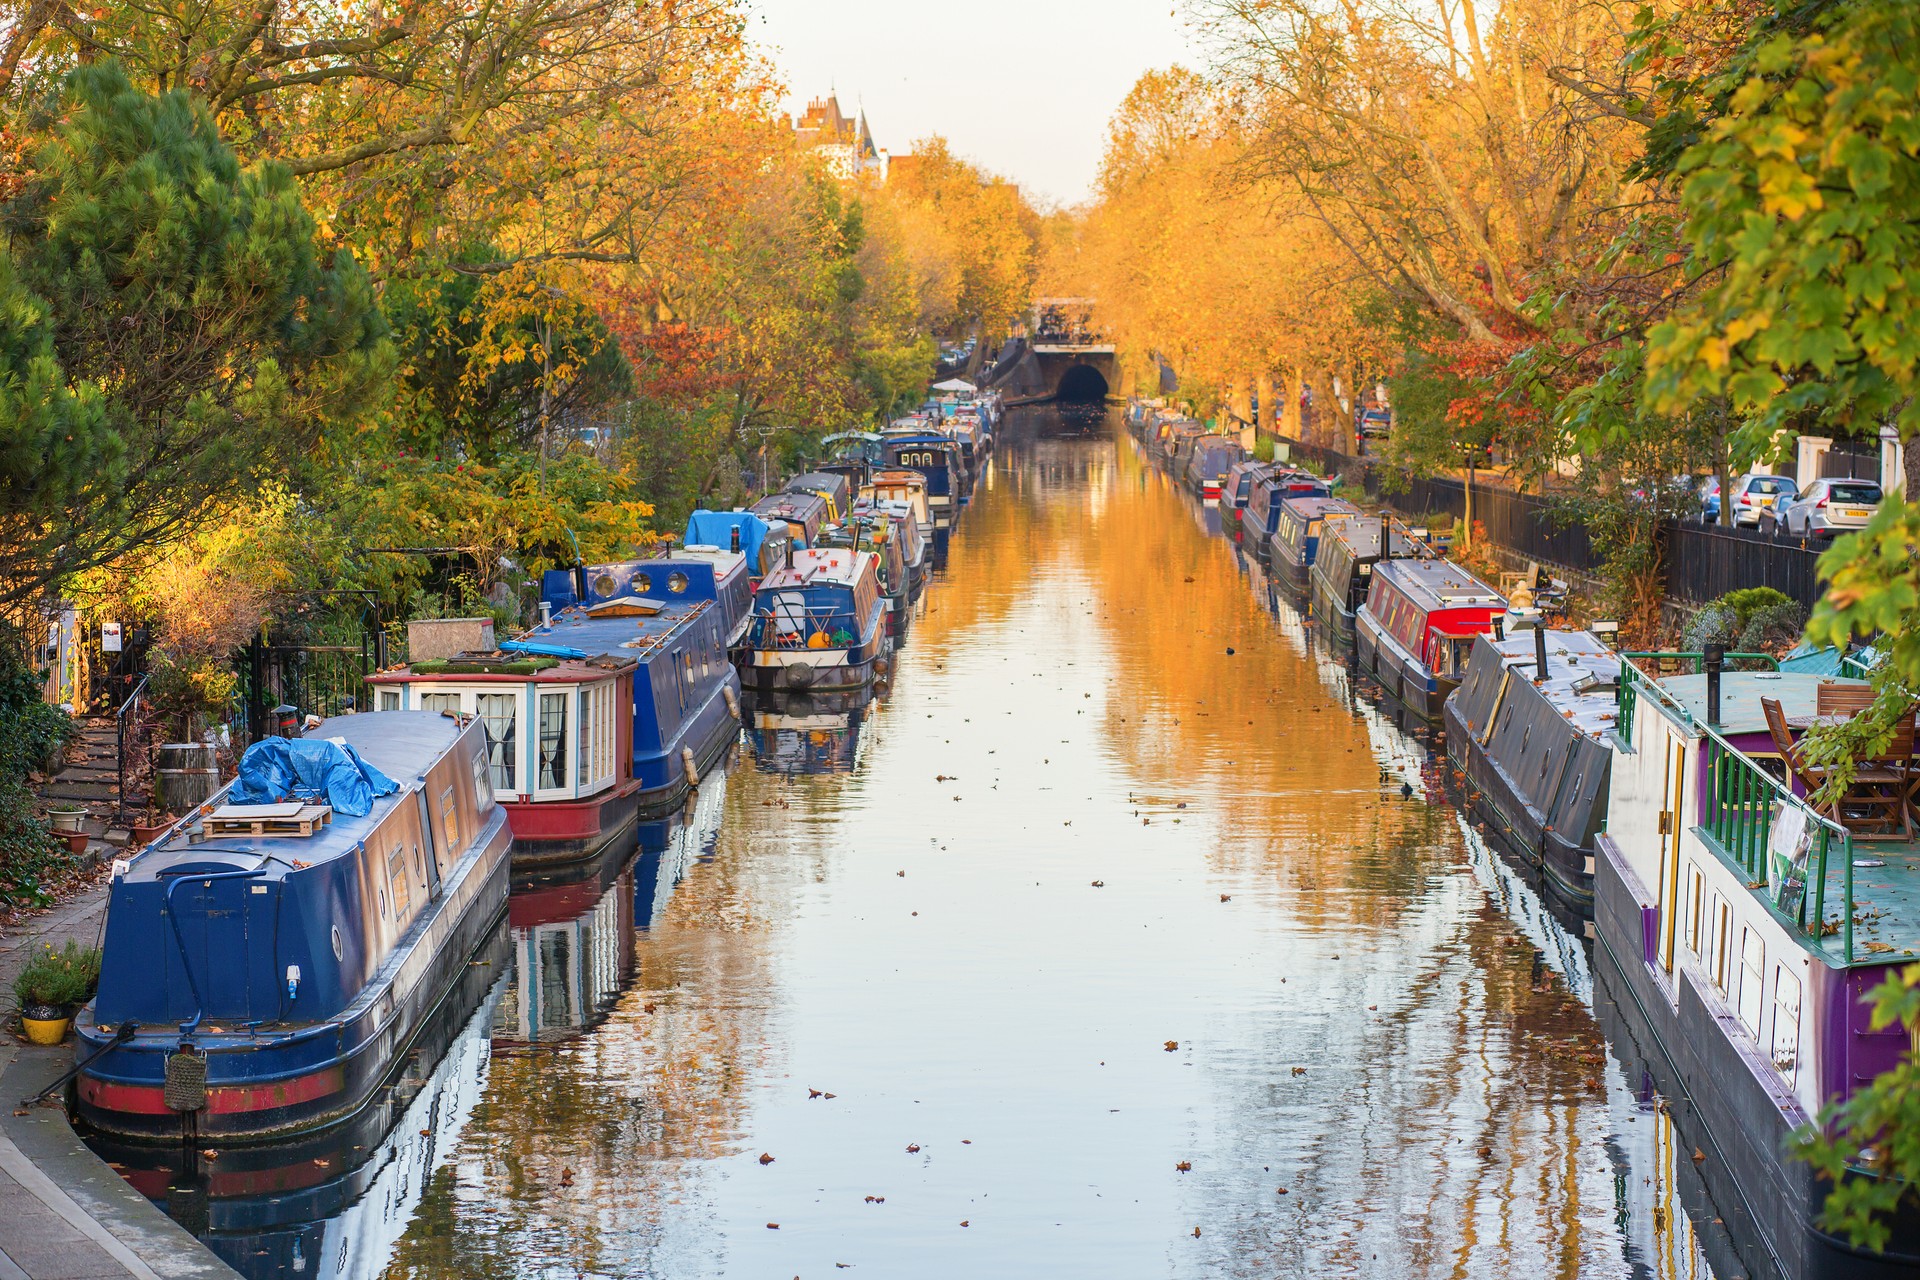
(1021, 87)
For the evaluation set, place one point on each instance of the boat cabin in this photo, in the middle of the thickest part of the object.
(801, 513)
(1296, 538)
(829, 486)
(1212, 458)
(1432, 610)
(905, 486)
(1343, 565)
(1241, 477)
(936, 457)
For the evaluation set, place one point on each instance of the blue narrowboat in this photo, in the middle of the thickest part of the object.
(875, 533)
(1208, 464)
(1260, 518)
(1296, 538)
(269, 961)
(936, 457)
(1238, 486)
(817, 625)
(856, 455)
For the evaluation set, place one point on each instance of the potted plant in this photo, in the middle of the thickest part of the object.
(146, 826)
(76, 841)
(66, 817)
(52, 986)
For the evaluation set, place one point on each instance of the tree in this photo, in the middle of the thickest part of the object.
(170, 332)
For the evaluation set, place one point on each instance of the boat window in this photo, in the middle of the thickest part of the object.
(440, 702)
(605, 585)
(500, 712)
(1753, 976)
(553, 741)
(1696, 888)
(1786, 1022)
(587, 728)
(677, 582)
(482, 780)
(1722, 958)
(642, 583)
(389, 699)
(398, 883)
(450, 819)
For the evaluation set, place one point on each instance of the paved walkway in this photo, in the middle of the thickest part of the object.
(78, 919)
(64, 1215)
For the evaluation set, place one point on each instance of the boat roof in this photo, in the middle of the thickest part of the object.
(809, 481)
(483, 668)
(1740, 694)
(623, 631)
(1575, 660)
(823, 567)
(1437, 584)
(404, 745)
(1310, 506)
(792, 506)
(869, 436)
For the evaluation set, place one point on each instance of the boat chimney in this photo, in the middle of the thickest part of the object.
(1499, 627)
(736, 539)
(546, 612)
(1714, 659)
(1540, 648)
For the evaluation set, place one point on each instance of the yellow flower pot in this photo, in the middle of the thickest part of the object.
(46, 1030)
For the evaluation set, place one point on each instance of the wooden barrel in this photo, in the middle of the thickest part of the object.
(189, 774)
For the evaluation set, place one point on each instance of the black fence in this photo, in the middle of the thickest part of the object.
(1704, 562)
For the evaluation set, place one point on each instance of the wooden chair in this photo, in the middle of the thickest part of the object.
(1877, 806)
(1830, 699)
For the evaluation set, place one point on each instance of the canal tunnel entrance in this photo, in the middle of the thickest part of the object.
(1082, 384)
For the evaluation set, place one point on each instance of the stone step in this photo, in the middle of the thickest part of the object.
(109, 772)
(84, 791)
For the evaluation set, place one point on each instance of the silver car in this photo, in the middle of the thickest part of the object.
(1828, 507)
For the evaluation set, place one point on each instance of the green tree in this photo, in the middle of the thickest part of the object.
(169, 332)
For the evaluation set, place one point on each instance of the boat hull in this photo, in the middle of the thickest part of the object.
(273, 1085)
(1423, 694)
(1564, 868)
(1721, 1103)
(550, 833)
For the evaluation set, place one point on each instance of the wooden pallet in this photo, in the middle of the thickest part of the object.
(268, 819)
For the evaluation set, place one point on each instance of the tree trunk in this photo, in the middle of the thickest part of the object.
(1265, 419)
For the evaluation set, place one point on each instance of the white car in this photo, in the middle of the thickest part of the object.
(1828, 507)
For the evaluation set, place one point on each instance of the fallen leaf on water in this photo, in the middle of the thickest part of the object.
(566, 1177)
(426, 1133)
(209, 1154)
(1185, 1166)
(1172, 1045)
(1196, 1233)
(913, 1148)
(964, 1222)
(1280, 1191)
(1099, 884)
(813, 1093)
(967, 1142)
(900, 873)
(773, 1226)
(827, 1095)
(1299, 1071)
(765, 1158)
(1226, 897)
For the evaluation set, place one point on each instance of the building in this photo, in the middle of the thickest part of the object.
(845, 142)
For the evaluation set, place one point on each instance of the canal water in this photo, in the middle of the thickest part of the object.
(1119, 936)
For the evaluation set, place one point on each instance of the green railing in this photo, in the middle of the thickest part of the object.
(1741, 809)
(1634, 681)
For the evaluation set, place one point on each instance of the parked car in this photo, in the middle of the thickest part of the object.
(1828, 507)
(1753, 494)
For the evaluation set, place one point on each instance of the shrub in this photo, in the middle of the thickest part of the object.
(1773, 627)
(32, 735)
(68, 976)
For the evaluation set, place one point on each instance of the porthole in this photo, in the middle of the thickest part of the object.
(677, 582)
(605, 585)
(339, 944)
(642, 583)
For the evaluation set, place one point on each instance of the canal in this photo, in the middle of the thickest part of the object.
(1119, 937)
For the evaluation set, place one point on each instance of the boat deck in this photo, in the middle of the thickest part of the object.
(1886, 900)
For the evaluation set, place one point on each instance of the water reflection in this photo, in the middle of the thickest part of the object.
(1140, 943)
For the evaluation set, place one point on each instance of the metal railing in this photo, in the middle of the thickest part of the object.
(127, 715)
(1741, 809)
(776, 631)
(1633, 681)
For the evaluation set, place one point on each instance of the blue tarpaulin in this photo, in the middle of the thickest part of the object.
(311, 769)
(715, 529)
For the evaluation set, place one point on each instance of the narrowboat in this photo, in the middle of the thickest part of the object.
(1296, 538)
(269, 961)
(765, 546)
(915, 550)
(1260, 518)
(966, 432)
(875, 534)
(817, 625)
(1238, 486)
(801, 513)
(1739, 933)
(1180, 443)
(603, 715)
(1415, 632)
(936, 457)
(828, 486)
(855, 455)
(332, 1204)
(1208, 465)
(1528, 729)
(1343, 568)
(906, 487)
